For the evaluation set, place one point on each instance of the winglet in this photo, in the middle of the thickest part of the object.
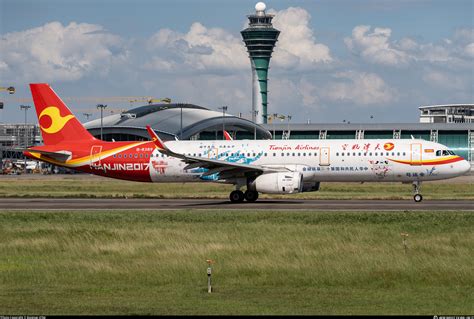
(227, 136)
(154, 137)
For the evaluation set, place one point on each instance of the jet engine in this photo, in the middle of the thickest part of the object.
(277, 183)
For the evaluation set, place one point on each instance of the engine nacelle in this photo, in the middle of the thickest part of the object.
(278, 183)
(310, 187)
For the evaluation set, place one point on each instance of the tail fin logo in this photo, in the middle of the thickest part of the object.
(57, 121)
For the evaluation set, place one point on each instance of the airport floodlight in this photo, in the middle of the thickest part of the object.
(26, 108)
(101, 107)
(10, 89)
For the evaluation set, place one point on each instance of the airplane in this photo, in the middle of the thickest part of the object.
(260, 166)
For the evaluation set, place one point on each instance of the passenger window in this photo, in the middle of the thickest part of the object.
(354, 154)
(337, 154)
(274, 154)
(360, 154)
(370, 154)
(293, 154)
(141, 155)
(304, 154)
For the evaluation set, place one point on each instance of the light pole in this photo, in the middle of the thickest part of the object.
(273, 123)
(255, 113)
(289, 118)
(87, 115)
(25, 107)
(101, 107)
(181, 124)
(224, 109)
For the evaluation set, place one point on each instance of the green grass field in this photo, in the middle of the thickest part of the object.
(85, 186)
(266, 262)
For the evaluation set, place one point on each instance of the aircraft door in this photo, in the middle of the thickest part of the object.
(415, 154)
(95, 156)
(324, 156)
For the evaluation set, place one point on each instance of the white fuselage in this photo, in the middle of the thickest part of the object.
(402, 160)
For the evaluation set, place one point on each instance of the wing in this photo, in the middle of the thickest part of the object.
(226, 169)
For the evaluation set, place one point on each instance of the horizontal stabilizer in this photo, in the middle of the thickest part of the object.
(60, 156)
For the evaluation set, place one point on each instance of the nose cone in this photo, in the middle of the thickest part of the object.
(464, 167)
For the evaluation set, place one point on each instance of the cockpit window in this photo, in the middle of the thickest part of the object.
(444, 152)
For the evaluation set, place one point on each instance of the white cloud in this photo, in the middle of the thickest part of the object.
(215, 49)
(296, 46)
(57, 52)
(375, 47)
(360, 88)
(3, 66)
(201, 48)
(469, 50)
(444, 80)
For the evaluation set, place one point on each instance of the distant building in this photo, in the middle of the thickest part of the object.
(174, 120)
(15, 137)
(447, 113)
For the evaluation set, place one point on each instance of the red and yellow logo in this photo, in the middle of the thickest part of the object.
(388, 146)
(56, 121)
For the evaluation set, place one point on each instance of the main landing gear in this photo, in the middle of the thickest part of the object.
(238, 196)
(416, 191)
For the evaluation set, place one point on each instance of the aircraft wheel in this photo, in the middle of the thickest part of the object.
(236, 196)
(418, 198)
(251, 196)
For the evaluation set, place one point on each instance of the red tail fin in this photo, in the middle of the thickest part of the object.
(56, 121)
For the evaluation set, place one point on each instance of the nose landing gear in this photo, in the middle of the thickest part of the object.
(416, 190)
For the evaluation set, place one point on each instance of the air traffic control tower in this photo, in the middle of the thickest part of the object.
(260, 38)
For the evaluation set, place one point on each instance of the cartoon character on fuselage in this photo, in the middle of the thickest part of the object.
(262, 166)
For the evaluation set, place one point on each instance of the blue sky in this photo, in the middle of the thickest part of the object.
(335, 60)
